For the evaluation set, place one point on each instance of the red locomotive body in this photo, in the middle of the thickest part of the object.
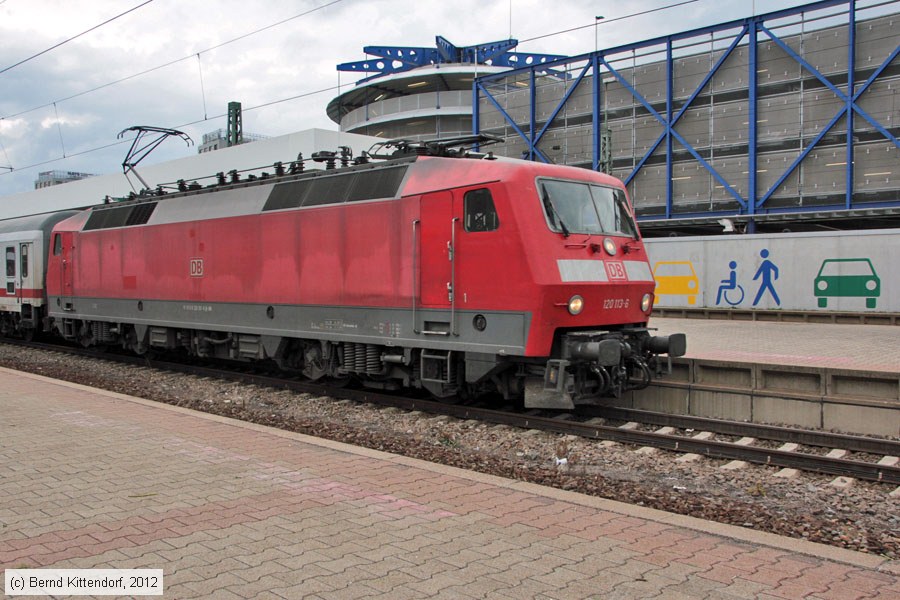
(456, 275)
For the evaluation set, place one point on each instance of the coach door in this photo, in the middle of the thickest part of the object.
(11, 272)
(25, 289)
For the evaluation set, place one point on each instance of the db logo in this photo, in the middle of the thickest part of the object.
(196, 267)
(616, 271)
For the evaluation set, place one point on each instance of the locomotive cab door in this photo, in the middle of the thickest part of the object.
(436, 273)
(64, 249)
(446, 219)
(435, 250)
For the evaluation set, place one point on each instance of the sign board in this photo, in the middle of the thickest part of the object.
(848, 271)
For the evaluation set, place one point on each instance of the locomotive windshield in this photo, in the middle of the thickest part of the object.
(573, 207)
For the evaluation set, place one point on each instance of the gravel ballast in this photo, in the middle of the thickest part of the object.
(864, 517)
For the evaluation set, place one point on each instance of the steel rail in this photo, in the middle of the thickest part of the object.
(807, 437)
(708, 448)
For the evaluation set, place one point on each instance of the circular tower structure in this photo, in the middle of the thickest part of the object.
(421, 93)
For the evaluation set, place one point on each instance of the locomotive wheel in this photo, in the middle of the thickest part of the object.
(339, 382)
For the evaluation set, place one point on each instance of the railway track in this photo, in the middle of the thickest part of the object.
(591, 424)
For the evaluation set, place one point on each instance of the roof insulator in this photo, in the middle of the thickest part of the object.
(297, 166)
(326, 156)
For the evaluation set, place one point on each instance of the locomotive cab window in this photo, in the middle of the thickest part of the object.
(575, 207)
(57, 244)
(480, 214)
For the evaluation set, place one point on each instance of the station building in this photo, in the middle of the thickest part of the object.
(58, 177)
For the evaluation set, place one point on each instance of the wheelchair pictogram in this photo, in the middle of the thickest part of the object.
(739, 292)
(730, 290)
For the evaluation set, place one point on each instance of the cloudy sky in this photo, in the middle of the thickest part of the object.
(177, 63)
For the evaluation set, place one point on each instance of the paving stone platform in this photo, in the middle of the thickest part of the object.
(835, 346)
(92, 479)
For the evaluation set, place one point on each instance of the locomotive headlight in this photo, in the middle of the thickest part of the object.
(609, 246)
(647, 302)
(576, 305)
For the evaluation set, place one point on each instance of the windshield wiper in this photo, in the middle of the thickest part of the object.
(548, 204)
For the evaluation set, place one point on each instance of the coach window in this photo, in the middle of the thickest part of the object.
(480, 214)
(23, 260)
(10, 261)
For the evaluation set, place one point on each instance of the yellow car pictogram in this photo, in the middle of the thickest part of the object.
(676, 278)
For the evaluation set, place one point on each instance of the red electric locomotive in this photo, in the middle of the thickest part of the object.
(458, 273)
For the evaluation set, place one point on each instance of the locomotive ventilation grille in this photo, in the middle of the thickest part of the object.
(336, 189)
(120, 216)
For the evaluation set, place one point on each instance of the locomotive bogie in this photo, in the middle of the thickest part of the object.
(376, 352)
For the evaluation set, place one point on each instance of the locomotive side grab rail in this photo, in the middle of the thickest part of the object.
(452, 290)
(415, 245)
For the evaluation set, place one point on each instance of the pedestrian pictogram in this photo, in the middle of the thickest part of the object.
(767, 274)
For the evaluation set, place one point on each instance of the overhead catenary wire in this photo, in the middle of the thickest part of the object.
(274, 102)
(162, 66)
(606, 21)
(196, 122)
(202, 89)
(8, 164)
(59, 129)
(72, 155)
(281, 22)
(171, 62)
(74, 37)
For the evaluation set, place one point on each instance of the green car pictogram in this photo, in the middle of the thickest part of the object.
(847, 278)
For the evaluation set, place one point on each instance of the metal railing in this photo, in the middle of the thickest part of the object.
(404, 104)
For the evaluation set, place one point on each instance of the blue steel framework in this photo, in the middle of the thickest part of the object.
(397, 59)
(750, 28)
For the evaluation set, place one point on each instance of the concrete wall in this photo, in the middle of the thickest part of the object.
(690, 271)
(859, 402)
(264, 154)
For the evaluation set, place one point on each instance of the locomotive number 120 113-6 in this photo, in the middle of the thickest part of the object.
(615, 303)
